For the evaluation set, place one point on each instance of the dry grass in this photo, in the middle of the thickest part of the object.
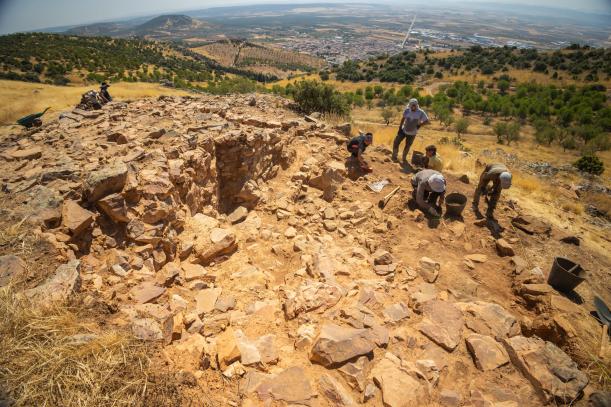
(42, 365)
(22, 98)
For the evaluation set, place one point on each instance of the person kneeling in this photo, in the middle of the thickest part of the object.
(432, 160)
(429, 190)
(357, 147)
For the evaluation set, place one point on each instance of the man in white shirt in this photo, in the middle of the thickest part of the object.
(413, 119)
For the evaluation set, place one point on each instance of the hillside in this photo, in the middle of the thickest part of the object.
(62, 59)
(574, 63)
(221, 251)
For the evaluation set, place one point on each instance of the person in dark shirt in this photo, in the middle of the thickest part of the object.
(357, 146)
(104, 92)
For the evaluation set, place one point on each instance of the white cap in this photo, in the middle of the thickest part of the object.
(413, 101)
(505, 178)
(437, 183)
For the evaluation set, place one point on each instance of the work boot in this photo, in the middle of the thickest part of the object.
(394, 159)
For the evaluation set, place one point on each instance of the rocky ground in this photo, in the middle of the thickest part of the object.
(231, 232)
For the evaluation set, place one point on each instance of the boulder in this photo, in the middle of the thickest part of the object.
(503, 248)
(11, 267)
(487, 353)
(553, 374)
(429, 269)
(334, 391)
(336, 345)
(329, 180)
(65, 282)
(442, 323)
(193, 272)
(105, 181)
(75, 218)
(399, 388)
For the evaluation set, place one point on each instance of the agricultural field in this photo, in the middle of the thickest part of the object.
(259, 58)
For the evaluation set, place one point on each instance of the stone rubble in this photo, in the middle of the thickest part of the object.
(230, 233)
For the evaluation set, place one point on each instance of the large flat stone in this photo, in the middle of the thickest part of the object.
(553, 374)
(105, 181)
(399, 388)
(11, 267)
(334, 391)
(310, 296)
(442, 323)
(490, 319)
(336, 345)
(75, 218)
(487, 353)
(65, 282)
(205, 300)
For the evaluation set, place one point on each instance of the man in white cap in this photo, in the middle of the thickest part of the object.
(413, 118)
(429, 185)
(500, 178)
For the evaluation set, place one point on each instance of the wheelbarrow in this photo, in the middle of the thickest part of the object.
(32, 120)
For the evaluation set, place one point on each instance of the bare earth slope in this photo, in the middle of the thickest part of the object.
(231, 232)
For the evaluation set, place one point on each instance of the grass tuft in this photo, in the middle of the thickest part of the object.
(41, 365)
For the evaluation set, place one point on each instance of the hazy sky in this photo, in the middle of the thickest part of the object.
(23, 15)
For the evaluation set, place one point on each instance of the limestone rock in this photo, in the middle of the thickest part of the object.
(146, 292)
(553, 374)
(228, 350)
(193, 271)
(336, 345)
(477, 257)
(503, 248)
(238, 215)
(290, 386)
(396, 312)
(531, 225)
(206, 299)
(382, 257)
(11, 267)
(429, 269)
(442, 323)
(222, 242)
(489, 319)
(355, 373)
(65, 282)
(114, 207)
(399, 388)
(487, 353)
(334, 391)
(310, 296)
(106, 181)
(75, 218)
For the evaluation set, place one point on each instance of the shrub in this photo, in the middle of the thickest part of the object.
(315, 96)
(590, 164)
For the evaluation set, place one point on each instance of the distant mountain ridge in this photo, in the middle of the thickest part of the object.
(164, 25)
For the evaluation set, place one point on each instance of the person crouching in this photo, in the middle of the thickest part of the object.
(357, 146)
(429, 191)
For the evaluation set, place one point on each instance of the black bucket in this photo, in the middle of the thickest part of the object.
(455, 204)
(417, 159)
(564, 276)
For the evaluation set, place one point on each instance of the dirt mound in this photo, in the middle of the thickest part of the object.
(235, 235)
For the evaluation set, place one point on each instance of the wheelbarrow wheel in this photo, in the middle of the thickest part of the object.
(37, 123)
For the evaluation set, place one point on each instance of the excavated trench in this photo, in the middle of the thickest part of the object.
(244, 163)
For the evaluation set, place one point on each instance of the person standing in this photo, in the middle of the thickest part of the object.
(413, 118)
(429, 191)
(500, 177)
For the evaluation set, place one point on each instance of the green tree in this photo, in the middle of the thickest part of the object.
(461, 126)
(387, 115)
